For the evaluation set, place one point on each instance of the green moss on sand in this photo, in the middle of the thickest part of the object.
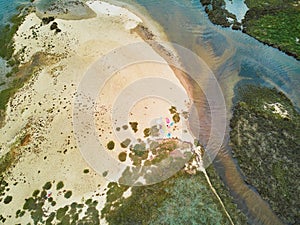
(6, 161)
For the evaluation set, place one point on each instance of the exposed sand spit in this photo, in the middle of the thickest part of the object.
(40, 114)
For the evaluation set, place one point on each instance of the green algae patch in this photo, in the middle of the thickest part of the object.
(265, 140)
(6, 161)
(110, 145)
(42, 213)
(122, 156)
(47, 186)
(68, 194)
(7, 199)
(59, 185)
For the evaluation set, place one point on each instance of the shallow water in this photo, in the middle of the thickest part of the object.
(225, 50)
(237, 7)
(8, 8)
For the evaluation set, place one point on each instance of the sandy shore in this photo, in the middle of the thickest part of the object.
(39, 122)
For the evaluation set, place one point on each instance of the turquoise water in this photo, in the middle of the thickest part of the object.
(9, 8)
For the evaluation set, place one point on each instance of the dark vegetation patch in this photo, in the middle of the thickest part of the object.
(68, 194)
(47, 185)
(177, 200)
(7, 199)
(267, 147)
(176, 118)
(53, 26)
(59, 185)
(47, 20)
(173, 110)
(110, 145)
(6, 161)
(147, 132)
(273, 22)
(218, 14)
(276, 23)
(134, 126)
(66, 215)
(122, 156)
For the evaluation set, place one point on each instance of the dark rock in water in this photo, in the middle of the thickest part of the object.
(47, 20)
(53, 26)
(236, 26)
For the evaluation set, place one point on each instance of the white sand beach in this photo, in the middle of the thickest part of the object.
(42, 110)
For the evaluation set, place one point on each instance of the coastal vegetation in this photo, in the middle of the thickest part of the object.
(7, 33)
(218, 14)
(273, 22)
(265, 140)
(21, 75)
(168, 202)
(276, 23)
